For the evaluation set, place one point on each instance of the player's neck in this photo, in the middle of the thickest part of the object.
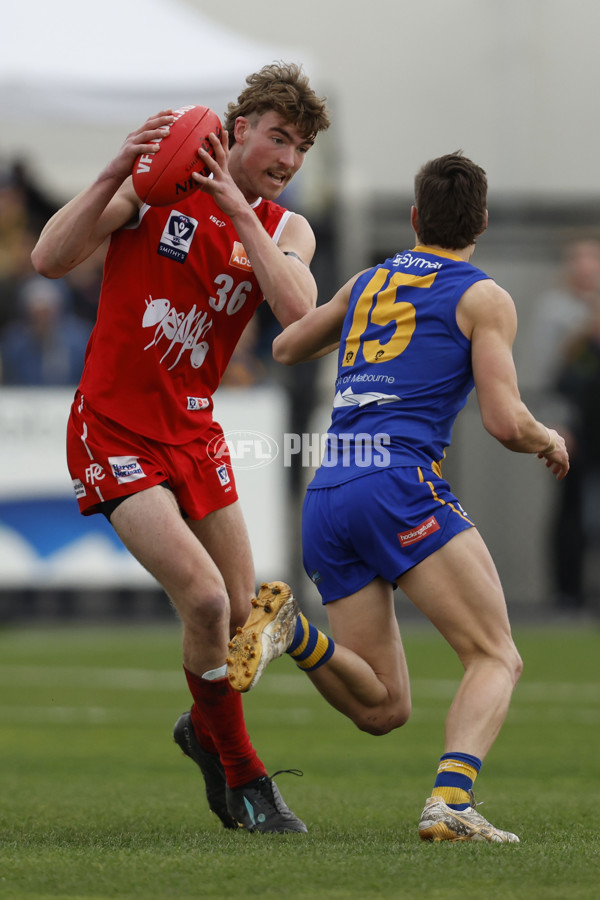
(465, 253)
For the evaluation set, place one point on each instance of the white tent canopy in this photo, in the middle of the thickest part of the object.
(75, 77)
(117, 59)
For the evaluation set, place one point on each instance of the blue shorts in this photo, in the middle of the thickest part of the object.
(383, 523)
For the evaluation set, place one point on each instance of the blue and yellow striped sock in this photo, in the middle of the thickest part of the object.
(310, 648)
(455, 777)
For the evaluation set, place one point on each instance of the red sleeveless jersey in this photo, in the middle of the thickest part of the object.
(178, 291)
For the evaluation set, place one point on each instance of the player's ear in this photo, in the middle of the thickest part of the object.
(414, 219)
(240, 129)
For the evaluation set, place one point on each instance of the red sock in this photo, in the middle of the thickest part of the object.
(205, 738)
(219, 709)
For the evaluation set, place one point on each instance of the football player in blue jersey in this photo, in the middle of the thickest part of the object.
(415, 335)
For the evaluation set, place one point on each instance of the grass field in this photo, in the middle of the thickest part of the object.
(97, 802)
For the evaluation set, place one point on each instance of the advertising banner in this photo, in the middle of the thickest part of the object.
(45, 542)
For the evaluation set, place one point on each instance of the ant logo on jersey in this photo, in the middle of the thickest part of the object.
(182, 332)
(176, 239)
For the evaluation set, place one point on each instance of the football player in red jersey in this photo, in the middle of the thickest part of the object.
(180, 285)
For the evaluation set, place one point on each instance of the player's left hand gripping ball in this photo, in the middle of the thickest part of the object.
(165, 177)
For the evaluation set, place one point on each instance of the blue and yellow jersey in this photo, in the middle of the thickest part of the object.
(404, 368)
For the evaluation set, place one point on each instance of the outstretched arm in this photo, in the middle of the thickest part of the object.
(76, 230)
(486, 314)
(317, 333)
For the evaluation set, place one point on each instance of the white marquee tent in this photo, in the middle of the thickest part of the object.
(76, 77)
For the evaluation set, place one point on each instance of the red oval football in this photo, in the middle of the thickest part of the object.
(164, 178)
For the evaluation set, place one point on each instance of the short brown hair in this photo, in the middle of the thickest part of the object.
(451, 200)
(284, 88)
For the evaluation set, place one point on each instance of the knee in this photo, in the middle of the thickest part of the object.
(516, 665)
(502, 655)
(382, 722)
(204, 609)
(509, 658)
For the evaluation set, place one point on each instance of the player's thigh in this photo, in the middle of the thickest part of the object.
(365, 622)
(224, 535)
(459, 591)
(150, 525)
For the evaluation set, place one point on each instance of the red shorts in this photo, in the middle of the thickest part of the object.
(107, 461)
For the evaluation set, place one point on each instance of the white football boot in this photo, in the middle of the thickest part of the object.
(267, 634)
(441, 823)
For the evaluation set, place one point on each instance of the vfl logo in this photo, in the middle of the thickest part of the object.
(239, 257)
(176, 239)
(94, 473)
(223, 475)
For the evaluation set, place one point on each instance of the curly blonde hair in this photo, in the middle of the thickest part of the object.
(285, 89)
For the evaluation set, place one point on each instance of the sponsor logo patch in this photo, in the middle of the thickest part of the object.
(419, 532)
(239, 257)
(94, 473)
(195, 403)
(126, 468)
(79, 488)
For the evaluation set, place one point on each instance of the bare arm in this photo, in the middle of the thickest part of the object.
(317, 333)
(486, 314)
(76, 230)
(285, 280)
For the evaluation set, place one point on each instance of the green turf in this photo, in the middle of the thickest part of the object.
(97, 802)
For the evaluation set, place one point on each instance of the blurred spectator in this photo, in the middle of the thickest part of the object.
(24, 209)
(16, 244)
(564, 310)
(579, 383)
(563, 354)
(84, 282)
(245, 368)
(13, 219)
(39, 205)
(46, 344)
